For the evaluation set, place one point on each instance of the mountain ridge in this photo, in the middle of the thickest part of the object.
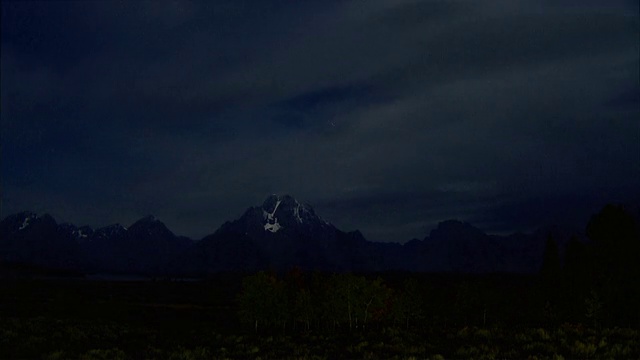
(278, 234)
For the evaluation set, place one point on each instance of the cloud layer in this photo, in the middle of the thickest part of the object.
(388, 116)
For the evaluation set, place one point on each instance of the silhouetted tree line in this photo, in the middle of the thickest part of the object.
(298, 301)
(599, 279)
(306, 301)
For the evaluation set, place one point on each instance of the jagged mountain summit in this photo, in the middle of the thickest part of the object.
(22, 222)
(279, 234)
(285, 211)
(282, 214)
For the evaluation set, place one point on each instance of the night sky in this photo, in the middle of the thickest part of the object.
(386, 116)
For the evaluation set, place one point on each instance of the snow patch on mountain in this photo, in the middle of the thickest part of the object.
(272, 227)
(272, 221)
(296, 212)
(28, 216)
(25, 223)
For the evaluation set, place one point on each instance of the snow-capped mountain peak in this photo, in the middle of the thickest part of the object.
(282, 211)
(25, 221)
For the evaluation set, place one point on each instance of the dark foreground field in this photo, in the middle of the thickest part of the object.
(483, 318)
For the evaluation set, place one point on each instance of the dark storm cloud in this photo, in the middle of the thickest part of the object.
(310, 110)
(387, 115)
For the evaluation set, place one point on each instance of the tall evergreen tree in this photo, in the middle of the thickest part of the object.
(616, 243)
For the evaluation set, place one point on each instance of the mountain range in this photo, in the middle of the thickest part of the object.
(280, 234)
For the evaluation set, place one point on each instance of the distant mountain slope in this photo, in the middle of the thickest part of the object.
(146, 247)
